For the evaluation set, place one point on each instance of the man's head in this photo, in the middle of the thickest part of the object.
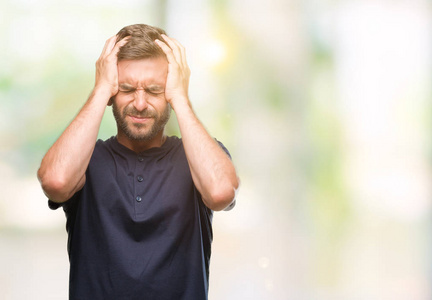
(141, 43)
(140, 108)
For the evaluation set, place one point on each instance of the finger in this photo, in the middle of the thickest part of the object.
(175, 48)
(167, 50)
(118, 45)
(172, 41)
(183, 55)
(182, 51)
(109, 44)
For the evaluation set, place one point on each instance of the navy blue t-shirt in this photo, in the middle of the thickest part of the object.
(138, 229)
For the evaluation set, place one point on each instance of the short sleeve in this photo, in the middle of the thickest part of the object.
(224, 148)
(54, 205)
(231, 206)
(67, 205)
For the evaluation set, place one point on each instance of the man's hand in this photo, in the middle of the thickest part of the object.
(177, 84)
(106, 66)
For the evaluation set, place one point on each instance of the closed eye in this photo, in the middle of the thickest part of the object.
(154, 91)
(127, 91)
(124, 88)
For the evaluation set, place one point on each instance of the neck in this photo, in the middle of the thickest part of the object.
(140, 146)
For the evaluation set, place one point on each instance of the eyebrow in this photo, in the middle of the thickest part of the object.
(126, 86)
(151, 87)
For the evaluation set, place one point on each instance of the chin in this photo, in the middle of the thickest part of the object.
(141, 136)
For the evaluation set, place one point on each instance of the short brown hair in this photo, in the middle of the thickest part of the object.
(141, 44)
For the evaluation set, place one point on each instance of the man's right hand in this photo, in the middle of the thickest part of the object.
(106, 66)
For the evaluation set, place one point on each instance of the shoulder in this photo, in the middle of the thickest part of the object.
(106, 149)
(105, 144)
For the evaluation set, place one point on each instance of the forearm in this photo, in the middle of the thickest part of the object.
(213, 173)
(62, 171)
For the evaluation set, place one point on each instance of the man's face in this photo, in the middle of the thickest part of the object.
(140, 108)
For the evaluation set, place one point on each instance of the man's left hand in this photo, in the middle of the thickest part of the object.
(177, 84)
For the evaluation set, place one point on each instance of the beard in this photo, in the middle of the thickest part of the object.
(139, 131)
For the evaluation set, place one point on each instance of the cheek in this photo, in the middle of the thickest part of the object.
(163, 107)
(120, 103)
(158, 102)
(119, 107)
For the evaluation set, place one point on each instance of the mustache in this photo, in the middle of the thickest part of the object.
(130, 110)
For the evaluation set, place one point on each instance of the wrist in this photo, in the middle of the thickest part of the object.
(101, 91)
(180, 103)
(100, 95)
(184, 112)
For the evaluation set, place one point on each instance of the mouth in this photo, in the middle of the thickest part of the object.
(138, 119)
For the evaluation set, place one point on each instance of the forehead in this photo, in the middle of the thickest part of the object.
(143, 72)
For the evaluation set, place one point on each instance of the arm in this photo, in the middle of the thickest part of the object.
(62, 171)
(212, 171)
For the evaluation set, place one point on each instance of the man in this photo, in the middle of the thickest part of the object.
(139, 205)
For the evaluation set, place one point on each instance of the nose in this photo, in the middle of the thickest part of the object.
(140, 101)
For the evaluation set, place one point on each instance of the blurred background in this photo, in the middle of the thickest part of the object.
(324, 105)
